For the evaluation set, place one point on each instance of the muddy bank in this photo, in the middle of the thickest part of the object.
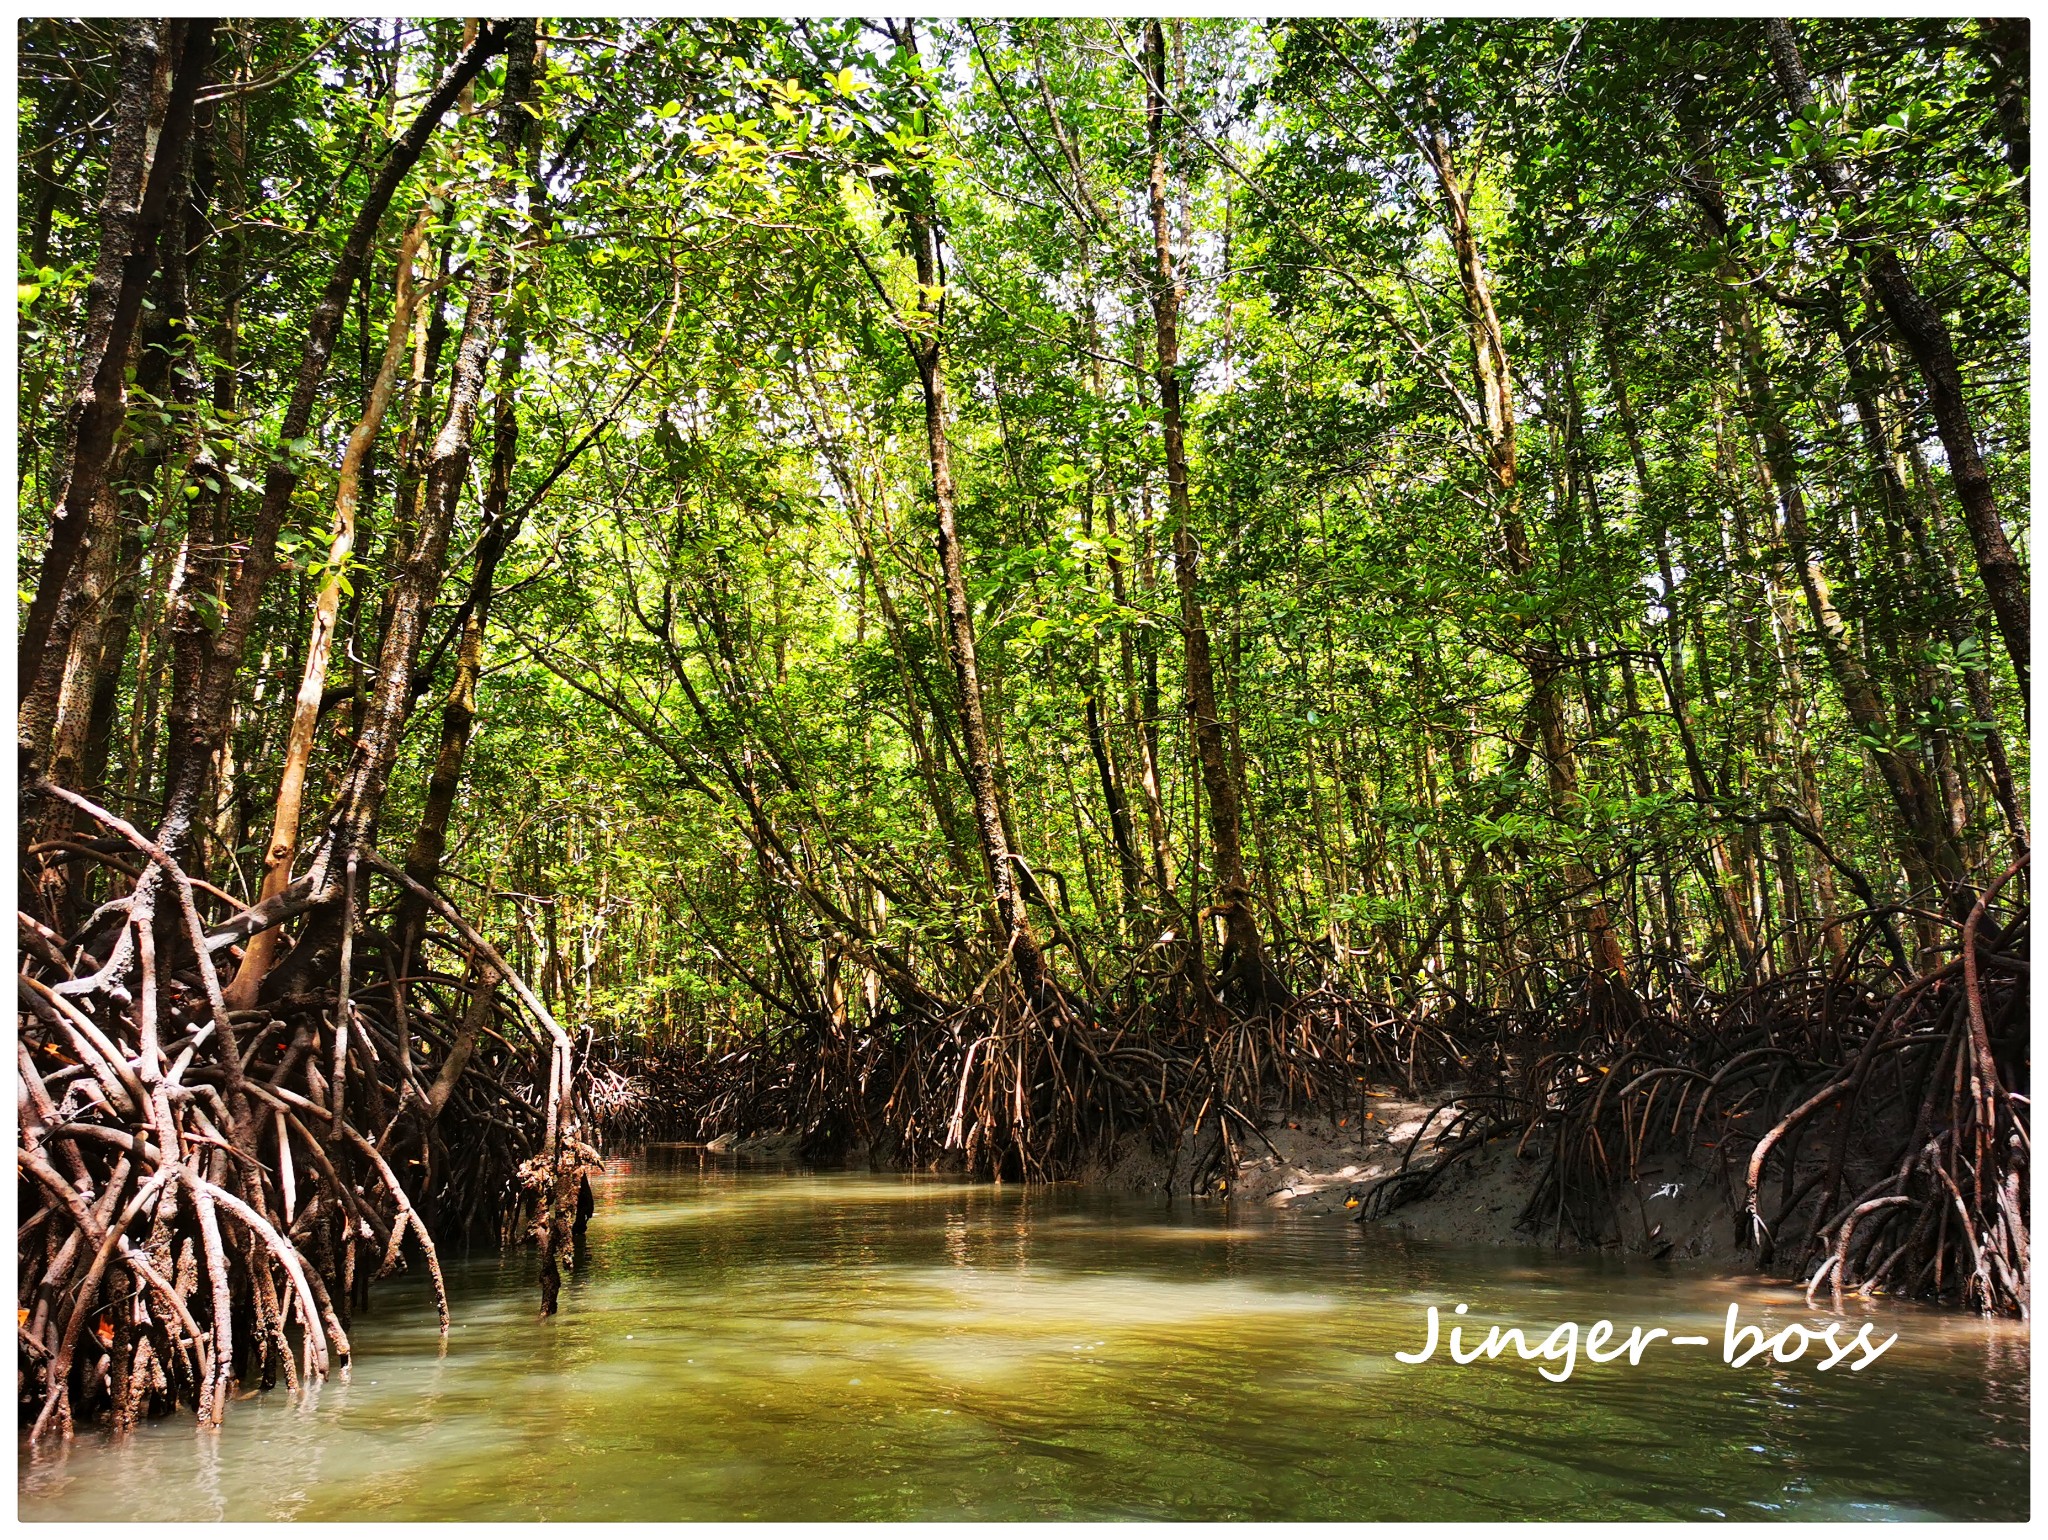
(1318, 1163)
(1327, 1164)
(1868, 1126)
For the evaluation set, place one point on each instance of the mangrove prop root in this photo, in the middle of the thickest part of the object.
(1869, 1126)
(1892, 1111)
(208, 1194)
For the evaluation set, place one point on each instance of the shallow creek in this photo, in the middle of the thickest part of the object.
(748, 1343)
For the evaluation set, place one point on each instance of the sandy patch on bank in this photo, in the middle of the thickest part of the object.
(1321, 1163)
(1326, 1163)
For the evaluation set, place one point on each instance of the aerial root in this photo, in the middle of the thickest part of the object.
(207, 1194)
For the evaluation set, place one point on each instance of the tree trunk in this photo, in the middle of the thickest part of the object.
(1919, 322)
(500, 529)
(1494, 384)
(419, 576)
(458, 714)
(1130, 871)
(2002, 43)
(93, 620)
(925, 334)
(146, 159)
(1935, 574)
(1244, 955)
(1976, 680)
(1932, 857)
(206, 722)
(1139, 659)
(284, 825)
(1130, 874)
(928, 348)
(1733, 912)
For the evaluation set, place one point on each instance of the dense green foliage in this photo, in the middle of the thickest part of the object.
(719, 757)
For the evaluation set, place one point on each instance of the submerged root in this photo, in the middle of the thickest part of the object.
(208, 1194)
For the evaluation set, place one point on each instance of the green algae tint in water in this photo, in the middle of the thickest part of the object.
(743, 1344)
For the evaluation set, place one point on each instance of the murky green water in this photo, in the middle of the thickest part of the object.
(756, 1345)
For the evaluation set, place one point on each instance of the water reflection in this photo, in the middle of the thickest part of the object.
(742, 1344)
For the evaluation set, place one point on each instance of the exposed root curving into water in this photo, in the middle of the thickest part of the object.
(208, 1193)
(1866, 1122)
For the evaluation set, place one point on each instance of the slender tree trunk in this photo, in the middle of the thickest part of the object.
(1130, 871)
(925, 334)
(928, 348)
(284, 824)
(1244, 956)
(500, 529)
(205, 723)
(146, 158)
(1929, 570)
(2002, 42)
(934, 775)
(1734, 912)
(89, 599)
(154, 467)
(1495, 389)
(419, 575)
(1918, 321)
(1976, 680)
(1931, 856)
(167, 368)
(92, 623)
(48, 181)
(193, 591)
(122, 601)
(1139, 659)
